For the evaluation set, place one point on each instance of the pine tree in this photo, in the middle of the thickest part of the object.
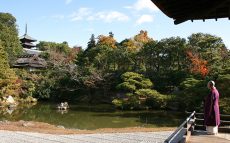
(92, 42)
(111, 34)
(9, 36)
(8, 78)
(5, 71)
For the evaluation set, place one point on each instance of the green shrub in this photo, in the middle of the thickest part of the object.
(224, 105)
(138, 92)
(192, 94)
(118, 103)
(222, 84)
(147, 93)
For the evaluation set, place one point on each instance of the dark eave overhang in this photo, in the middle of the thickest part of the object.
(28, 45)
(26, 37)
(183, 10)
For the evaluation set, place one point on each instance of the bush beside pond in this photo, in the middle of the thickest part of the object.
(138, 93)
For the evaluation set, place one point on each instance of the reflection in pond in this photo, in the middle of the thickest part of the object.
(63, 106)
(62, 111)
(93, 117)
(9, 109)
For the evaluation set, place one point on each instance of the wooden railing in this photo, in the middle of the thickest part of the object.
(224, 122)
(183, 132)
(195, 121)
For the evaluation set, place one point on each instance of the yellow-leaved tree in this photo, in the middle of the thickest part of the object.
(9, 82)
(107, 40)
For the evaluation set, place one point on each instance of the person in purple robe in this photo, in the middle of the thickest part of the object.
(211, 110)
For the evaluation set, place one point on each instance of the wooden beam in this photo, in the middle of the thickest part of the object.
(183, 10)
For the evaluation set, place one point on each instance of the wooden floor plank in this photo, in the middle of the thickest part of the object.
(207, 139)
(202, 137)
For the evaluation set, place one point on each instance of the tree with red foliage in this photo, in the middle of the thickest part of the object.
(198, 65)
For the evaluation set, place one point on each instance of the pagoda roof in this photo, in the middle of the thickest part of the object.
(27, 37)
(32, 51)
(183, 10)
(26, 44)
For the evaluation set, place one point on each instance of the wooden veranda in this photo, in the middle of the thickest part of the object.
(192, 130)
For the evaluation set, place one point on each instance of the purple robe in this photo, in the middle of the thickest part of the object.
(211, 109)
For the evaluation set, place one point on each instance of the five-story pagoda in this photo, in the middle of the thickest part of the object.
(31, 58)
(26, 40)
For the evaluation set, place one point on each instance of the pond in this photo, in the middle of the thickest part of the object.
(93, 117)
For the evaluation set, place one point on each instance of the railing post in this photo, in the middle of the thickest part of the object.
(183, 132)
(194, 123)
(190, 126)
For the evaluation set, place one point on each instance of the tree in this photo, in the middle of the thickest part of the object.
(5, 71)
(198, 66)
(132, 82)
(107, 41)
(222, 81)
(111, 34)
(209, 48)
(9, 83)
(9, 36)
(138, 92)
(91, 43)
(52, 46)
(130, 45)
(191, 94)
(165, 62)
(142, 37)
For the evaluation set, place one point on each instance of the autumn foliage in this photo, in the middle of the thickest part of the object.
(143, 37)
(107, 40)
(198, 65)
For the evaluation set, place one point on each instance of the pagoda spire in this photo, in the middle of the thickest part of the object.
(26, 29)
(26, 40)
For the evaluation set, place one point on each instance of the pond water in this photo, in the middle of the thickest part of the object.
(93, 117)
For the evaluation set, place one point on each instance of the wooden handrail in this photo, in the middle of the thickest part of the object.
(222, 115)
(224, 123)
(185, 128)
(178, 134)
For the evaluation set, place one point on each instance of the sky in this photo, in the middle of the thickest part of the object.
(75, 20)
